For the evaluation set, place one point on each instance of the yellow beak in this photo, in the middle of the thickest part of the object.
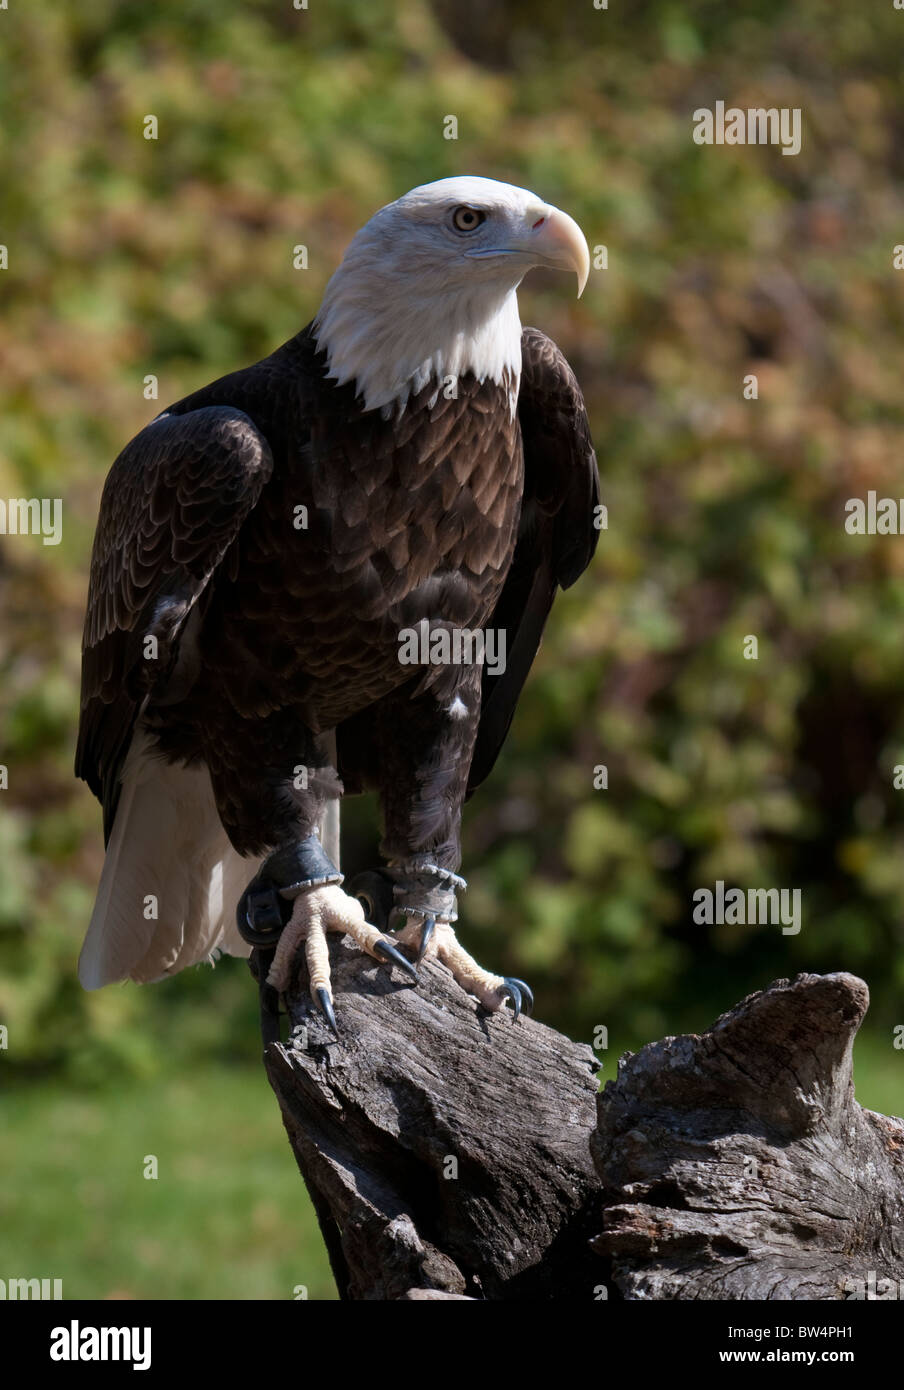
(556, 240)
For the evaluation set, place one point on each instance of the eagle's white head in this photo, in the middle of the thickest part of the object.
(426, 289)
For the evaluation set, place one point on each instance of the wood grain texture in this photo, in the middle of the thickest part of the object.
(738, 1165)
(421, 1076)
(731, 1165)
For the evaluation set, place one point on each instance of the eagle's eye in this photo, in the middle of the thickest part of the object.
(465, 219)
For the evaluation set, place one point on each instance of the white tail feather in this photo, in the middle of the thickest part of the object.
(168, 853)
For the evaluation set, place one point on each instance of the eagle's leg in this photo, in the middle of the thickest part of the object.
(316, 911)
(318, 905)
(423, 779)
(295, 898)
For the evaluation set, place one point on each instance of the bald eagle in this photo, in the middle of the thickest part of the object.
(297, 575)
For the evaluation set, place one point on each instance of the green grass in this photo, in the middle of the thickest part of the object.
(227, 1218)
(879, 1072)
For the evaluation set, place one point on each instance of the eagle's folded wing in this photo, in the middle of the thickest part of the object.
(173, 503)
(557, 534)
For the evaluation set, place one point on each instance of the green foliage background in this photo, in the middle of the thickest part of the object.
(130, 257)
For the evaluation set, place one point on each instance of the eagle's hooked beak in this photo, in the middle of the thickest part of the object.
(551, 238)
(557, 241)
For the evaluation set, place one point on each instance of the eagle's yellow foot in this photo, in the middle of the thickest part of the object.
(314, 913)
(439, 940)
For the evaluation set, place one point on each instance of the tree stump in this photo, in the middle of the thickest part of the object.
(452, 1154)
(448, 1146)
(737, 1165)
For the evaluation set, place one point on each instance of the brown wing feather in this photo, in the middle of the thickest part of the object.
(172, 504)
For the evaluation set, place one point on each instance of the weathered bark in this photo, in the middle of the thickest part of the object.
(738, 1165)
(454, 1155)
(449, 1146)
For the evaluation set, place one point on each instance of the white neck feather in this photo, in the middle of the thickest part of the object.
(392, 343)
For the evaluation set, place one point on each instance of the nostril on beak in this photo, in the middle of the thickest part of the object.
(539, 223)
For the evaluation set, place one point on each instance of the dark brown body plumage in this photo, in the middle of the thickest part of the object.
(268, 631)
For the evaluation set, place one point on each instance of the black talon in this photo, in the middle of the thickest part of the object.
(510, 990)
(325, 1005)
(520, 995)
(427, 931)
(527, 994)
(386, 951)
